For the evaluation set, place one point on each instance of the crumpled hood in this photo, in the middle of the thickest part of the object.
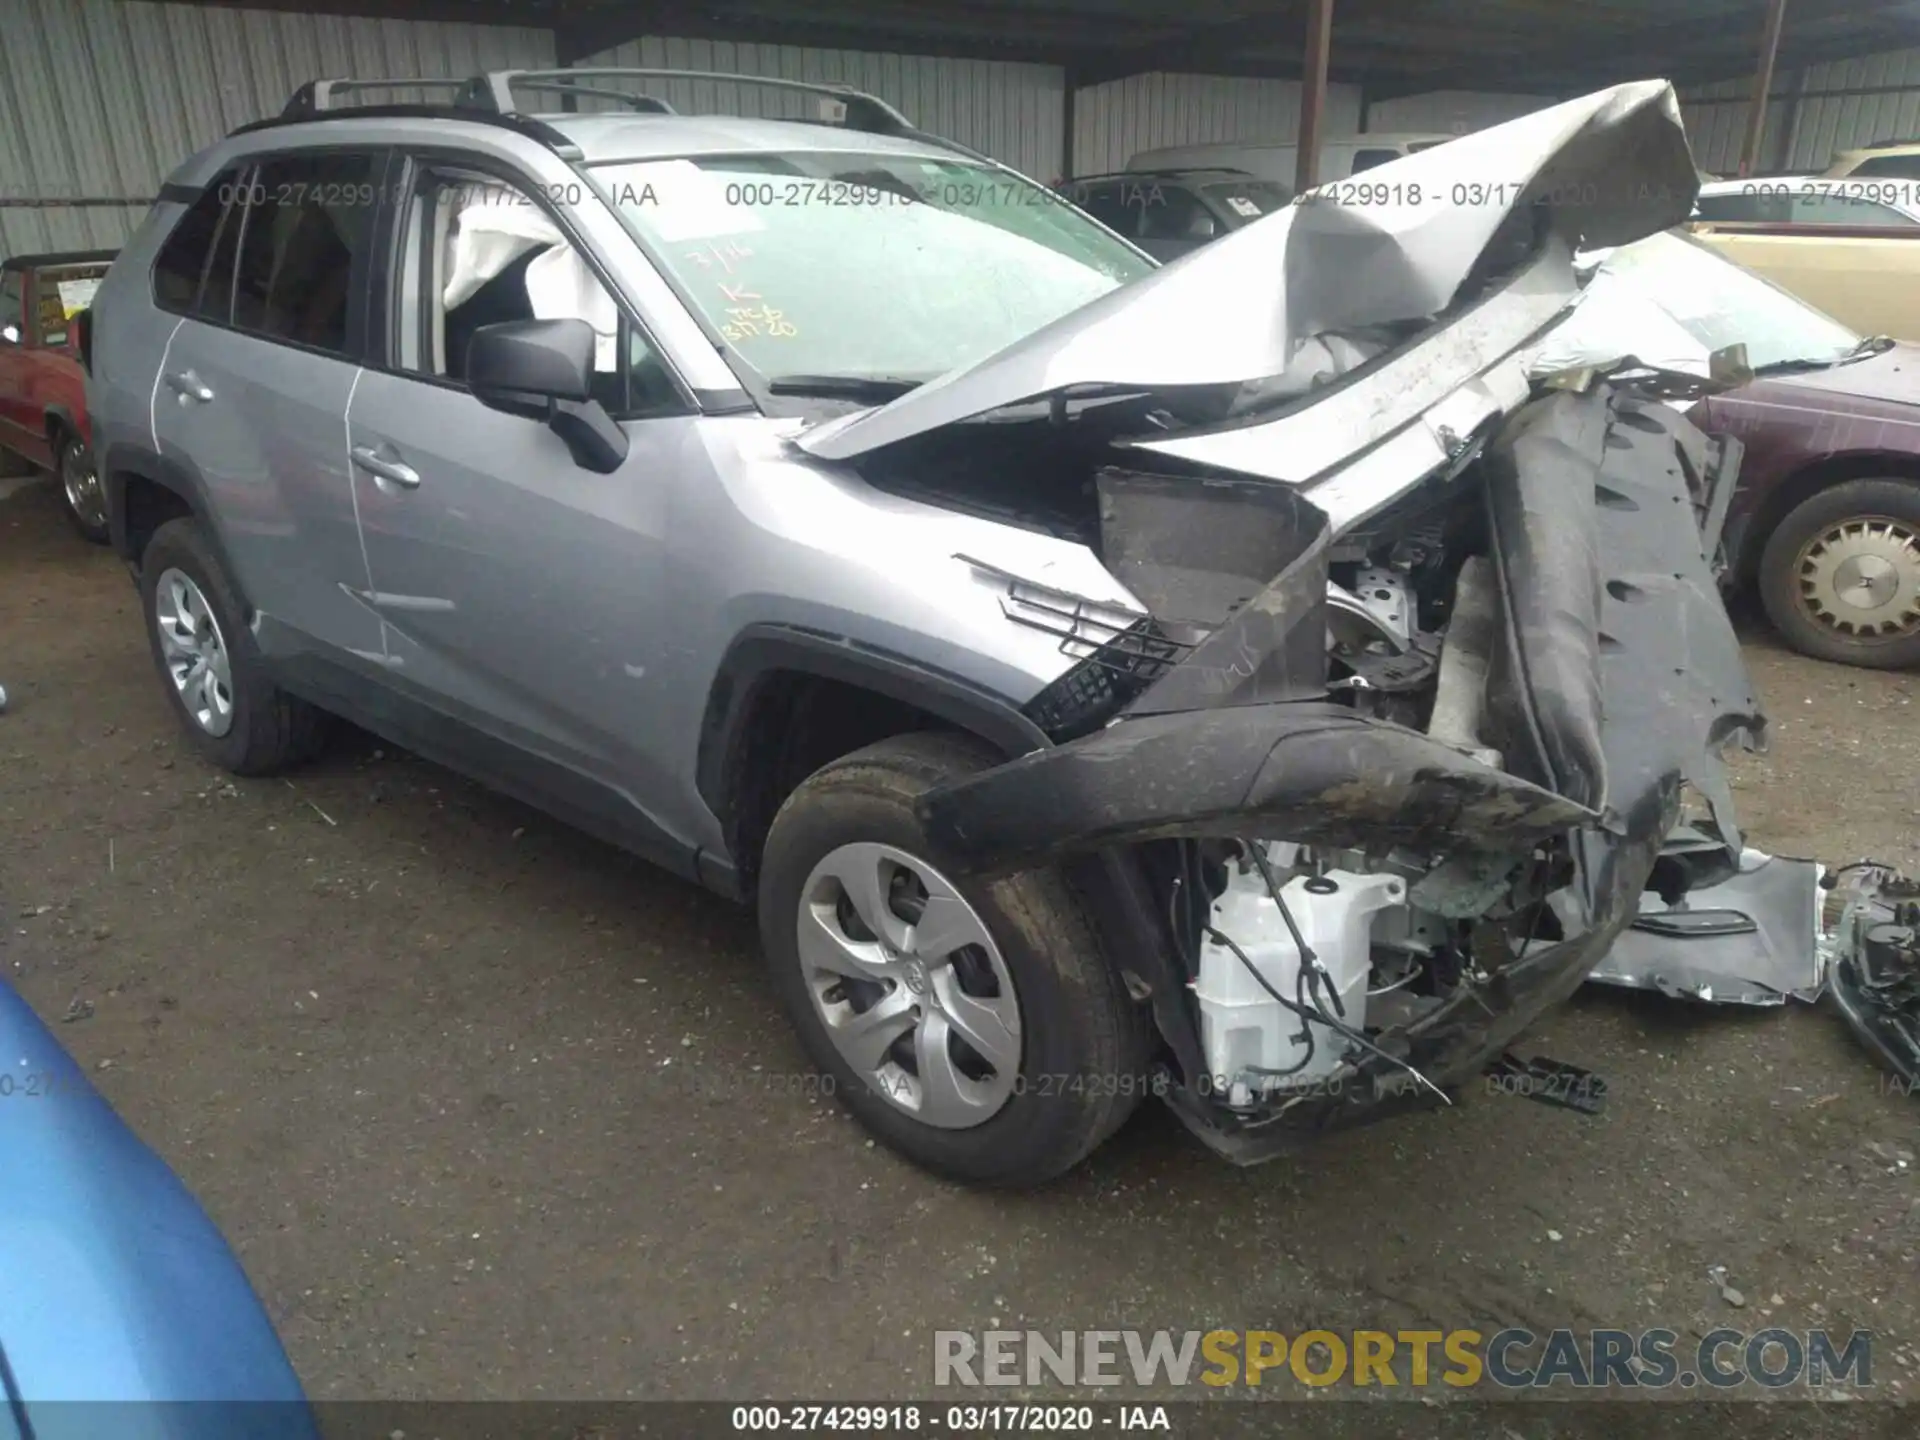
(1608, 168)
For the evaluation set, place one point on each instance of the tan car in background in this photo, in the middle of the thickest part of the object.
(1848, 247)
(1882, 160)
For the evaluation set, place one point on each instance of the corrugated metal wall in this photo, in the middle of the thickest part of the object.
(1010, 111)
(1115, 121)
(102, 98)
(1821, 123)
(1716, 119)
(99, 99)
(1452, 112)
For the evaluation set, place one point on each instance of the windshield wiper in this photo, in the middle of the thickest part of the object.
(1871, 345)
(844, 387)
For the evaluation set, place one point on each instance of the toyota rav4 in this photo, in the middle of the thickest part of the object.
(1233, 682)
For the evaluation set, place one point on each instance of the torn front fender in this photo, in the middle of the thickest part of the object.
(1618, 683)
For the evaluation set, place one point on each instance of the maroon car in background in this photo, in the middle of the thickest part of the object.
(1825, 524)
(43, 398)
(1829, 531)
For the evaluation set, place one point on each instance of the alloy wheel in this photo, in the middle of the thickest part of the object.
(81, 481)
(911, 986)
(194, 650)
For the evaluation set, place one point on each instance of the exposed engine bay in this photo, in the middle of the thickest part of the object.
(1421, 700)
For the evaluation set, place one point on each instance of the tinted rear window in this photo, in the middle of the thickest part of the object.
(309, 224)
(182, 262)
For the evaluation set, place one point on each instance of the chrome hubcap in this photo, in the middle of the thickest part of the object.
(912, 989)
(194, 651)
(1862, 578)
(82, 484)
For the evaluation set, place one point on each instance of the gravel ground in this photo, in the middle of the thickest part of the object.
(490, 1110)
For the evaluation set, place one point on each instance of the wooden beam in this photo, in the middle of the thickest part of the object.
(1762, 83)
(1313, 95)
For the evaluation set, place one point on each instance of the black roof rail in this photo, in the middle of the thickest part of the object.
(1897, 140)
(527, 125)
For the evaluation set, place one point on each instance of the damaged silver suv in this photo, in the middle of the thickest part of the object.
(1232, 681)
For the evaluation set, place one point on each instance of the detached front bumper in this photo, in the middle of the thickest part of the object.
(1615, 683)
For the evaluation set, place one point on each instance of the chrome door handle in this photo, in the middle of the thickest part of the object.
(392, 471)
(189, 386)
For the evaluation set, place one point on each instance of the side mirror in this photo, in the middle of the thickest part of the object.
(543, 370)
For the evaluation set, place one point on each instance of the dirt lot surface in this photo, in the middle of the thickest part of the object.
(490, 1110)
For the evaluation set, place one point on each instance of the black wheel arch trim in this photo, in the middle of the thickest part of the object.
(764, 650)
(61, 416)
(122, 460)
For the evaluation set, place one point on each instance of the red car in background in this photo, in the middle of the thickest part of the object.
(43, 399)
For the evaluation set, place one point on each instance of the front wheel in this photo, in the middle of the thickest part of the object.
(81, 495)
(1840, 576)
(976, 1028)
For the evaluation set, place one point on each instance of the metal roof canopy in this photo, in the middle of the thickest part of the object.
(1391, 47)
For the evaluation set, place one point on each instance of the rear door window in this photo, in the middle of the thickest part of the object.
(180, 270)
(304, 248)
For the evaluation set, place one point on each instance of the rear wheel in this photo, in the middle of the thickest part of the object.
(81, 495)
(976, 1028)
(234, 714)
(1840, 576)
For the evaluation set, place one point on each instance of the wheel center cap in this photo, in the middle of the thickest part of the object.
(916, 978)
(1866, 581)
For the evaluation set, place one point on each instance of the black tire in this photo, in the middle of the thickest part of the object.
(271, 730)
(67, 449)
(1780, 591)
(1084, 1042)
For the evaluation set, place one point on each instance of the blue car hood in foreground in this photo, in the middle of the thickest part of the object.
(122, 1311)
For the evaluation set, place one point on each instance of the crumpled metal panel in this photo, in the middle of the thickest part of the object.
(1318, 774)
(1752, 939)
(1604, 169)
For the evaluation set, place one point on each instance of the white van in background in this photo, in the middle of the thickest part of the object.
(1340, 155)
